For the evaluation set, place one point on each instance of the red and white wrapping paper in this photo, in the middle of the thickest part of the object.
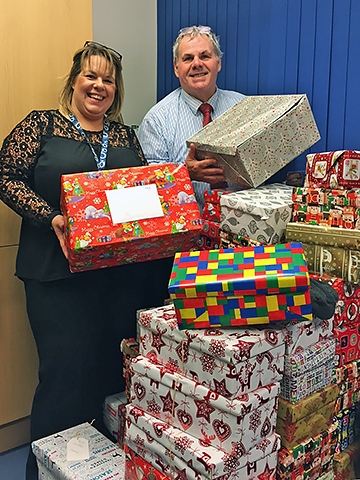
(230, 362)
(301, 335)
(202, 413)
(181, 456)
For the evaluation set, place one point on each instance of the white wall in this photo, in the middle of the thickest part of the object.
(129, 26)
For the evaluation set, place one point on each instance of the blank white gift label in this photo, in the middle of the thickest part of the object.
(134, 203)
(77, 448)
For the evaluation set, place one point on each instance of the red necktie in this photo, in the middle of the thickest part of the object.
(205, 109)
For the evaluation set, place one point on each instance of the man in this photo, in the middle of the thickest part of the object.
(166, 127)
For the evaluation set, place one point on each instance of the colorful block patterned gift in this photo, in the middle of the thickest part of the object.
(260, 214)
(230, 362)
(333, 169)
(234, 287)
(107, 227)
(179, 455)
(59, 454)
(202, 413)
(297, 422)
(258, 136)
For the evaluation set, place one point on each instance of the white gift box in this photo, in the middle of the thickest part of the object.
(202, 413)
(260, 214)
(230, 362)
(179, 455)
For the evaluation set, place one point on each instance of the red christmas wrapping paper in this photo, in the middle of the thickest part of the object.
(240, 286)
(94, 241)
(202, 413)
(137, 468)
(230, 362)
(347, 309)
(347, 344)
(176, 453)
(212, 210)
(209, 237)
(333, 169)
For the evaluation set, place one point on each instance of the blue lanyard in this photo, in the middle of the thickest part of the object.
(100, 162)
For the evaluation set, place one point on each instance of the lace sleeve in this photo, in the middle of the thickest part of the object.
(17, 160)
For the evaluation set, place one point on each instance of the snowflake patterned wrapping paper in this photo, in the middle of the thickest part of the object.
(258, 136)
(182, 456)
(202, 413)
(260, 214)
(319, 235)
(240, 286)
(333, 169)
(94, 241)
(230, 362)
(106, 459)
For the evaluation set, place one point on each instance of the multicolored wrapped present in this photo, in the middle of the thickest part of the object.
(302, 335)
(338, 262)
(230, 362)
(260, 214)
(333, 169)
(320, 235)
(247, 139)
(297, 422)
(177, 454)
(137, 468)
(212, 210)
(128, 215)
(234, 287)
(347, 344)
(296, 364)
(209, 237)
(80, 452)
(202, 413)
(345, 420)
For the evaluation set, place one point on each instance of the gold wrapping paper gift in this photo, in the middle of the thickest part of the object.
(344, 467)
(320, 235)
(338, 262)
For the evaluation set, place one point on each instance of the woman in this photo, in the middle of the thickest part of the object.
(78, 320)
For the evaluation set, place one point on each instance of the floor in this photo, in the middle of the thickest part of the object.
(12, 463)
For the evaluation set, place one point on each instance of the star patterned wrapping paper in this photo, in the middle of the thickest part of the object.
(240, 286)
(200, 412)
(230, 362)
(258, 136)
(182, 456)
(95, 240)
(333, 169)
(260, 214)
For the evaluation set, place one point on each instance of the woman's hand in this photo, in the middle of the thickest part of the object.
(58, 225)
(206, 170)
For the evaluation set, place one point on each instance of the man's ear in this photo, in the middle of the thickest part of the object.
(219, 65)
(176, 70)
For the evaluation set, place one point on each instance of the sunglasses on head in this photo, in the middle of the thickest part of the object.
(96, 44)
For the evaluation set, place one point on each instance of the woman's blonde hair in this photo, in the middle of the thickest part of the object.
(80, 58)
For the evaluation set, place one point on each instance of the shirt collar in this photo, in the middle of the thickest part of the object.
(195, 103)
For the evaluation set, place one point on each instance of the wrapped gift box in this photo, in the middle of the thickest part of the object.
(130, 349)
(183, 456)
(99, 234)
(202, 413)
(233, 287)
(302, 335)
(345, 428)
(326, 236)
(338, 262)
(333, 169)
(230, 362)
(111, 417)
(209, 237)
(258, 136)
(329, 197)
(233, 240)
(137, 468)
(105, 460)
(297, 422)
(296, 364)
(346, 463)
(258, 213)
(44, 473)
(347, 344)
(212, 210)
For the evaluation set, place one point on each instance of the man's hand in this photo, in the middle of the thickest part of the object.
(58, 225)
(205, 170)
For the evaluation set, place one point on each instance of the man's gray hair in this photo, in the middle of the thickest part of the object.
(195, 31)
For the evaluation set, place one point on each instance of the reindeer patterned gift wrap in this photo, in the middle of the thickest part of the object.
(260, 214)
(202, 413)
(107, 227)
(240, 286)
(182, 456)
(230, 362)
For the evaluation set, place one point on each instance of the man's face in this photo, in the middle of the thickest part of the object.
(197, 67)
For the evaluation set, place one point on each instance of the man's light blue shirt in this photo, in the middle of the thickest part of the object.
(173, 120)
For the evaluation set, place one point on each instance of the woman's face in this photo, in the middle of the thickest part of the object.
(93, 90)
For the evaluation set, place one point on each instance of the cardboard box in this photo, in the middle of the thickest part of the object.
(258, 213)
(258, 136)
(320, 235)
(181, 454)
(98, 235)
(193, 408)
(234, 287)
(333, 169)
(105, 460)
(230, 362)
